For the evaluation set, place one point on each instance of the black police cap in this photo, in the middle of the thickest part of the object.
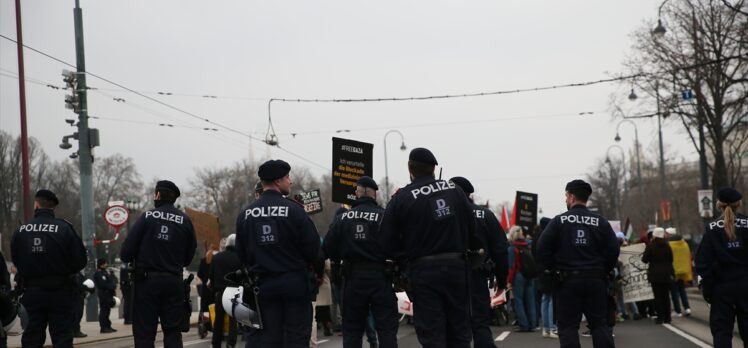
(728, 195)
(368, 182)
(47, 194)
(100, 262)
(273, 169)
(463, 183)
(168, 185)
(579, 185)
(258, 187)
(422, 155)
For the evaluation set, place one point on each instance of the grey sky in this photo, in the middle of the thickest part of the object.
(322, 49)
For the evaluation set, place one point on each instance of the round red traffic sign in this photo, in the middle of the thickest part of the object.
(116, 216)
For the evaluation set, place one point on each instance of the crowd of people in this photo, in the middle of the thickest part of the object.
(431, 241)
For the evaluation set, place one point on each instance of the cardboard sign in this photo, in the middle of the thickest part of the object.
(706, 203)
(207, 227)
(312, 201)
(350, 161)
(636, 286)
(527, 210)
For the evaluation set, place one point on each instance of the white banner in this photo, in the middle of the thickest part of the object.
(636, 286)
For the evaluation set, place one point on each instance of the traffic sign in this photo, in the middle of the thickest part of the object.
(706, 203)
(116, 216)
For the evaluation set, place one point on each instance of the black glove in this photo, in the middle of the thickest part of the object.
(707, 290)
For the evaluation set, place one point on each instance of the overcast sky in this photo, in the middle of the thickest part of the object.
(246, 52)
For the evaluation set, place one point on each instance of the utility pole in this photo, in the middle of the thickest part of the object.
(24, 129)
(87, 139)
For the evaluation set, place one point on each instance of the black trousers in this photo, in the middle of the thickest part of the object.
(158, 297)
(126, 304)
(588, 296)
(366, 291)
(78, 306)
(481, 305)
(220, 314)
(441, 315)
(105, 308)
(48, 306)
(286, 305)
(662, 301)
(729, 301)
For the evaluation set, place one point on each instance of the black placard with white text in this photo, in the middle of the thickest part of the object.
(350, 160)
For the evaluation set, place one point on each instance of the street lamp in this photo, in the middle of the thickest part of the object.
(636, 146)
(386, 169)
(632, 95)
(659, 31)
(623, 166)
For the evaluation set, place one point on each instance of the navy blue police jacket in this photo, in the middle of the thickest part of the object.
(718, 258)
(578, 240)
(352, 235)
(493, 237)
(427, 217)
(275, 235)
(47, 246)
(162, 240)
(105, 283)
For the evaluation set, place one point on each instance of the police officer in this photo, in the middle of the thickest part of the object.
(47, 253)
(277, 241)
(495, 266)
(367, 284)
(582, 247)
(105, 286)
(428, 224)
(722, 262)
(161, 243)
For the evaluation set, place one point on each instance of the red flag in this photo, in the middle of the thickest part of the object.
(514, 214)
(504, 219)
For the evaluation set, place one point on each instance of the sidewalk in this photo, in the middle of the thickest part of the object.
(92, 329)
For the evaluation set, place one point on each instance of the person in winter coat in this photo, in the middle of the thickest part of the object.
(523, 288)
(683, 271)
(661, 274)
(223, 263)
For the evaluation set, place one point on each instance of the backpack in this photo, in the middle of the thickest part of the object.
(528, 267)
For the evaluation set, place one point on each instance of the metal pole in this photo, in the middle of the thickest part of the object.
(24, 129)
(85, 158)
(663, 187)
(636, 148)
(386, 169)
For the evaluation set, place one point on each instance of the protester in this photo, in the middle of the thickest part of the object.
(523, 288)
(683, 274)
(660, 273)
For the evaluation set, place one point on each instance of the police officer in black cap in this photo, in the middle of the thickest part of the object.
(582, 248)
(428, 224)
(722, 263)
(106, 284)
(495, 266)
(277, 241)
(161, 243)
(367, 281)
(47, 253)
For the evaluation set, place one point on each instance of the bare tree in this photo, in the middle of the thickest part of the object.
(703, 50)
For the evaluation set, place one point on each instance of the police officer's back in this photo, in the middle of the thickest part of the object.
(492, 236)
(368, 280)
(47, 253)
(160, 244)
(277, 241)
(583, 248)
(428, 224)
(722, 262)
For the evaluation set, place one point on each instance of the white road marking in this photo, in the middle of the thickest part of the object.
(322, 341)
(680, 333)
(502, 336)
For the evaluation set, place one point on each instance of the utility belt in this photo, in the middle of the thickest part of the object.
(50, 281)
(437, 257)
(564, 275)
(140, 274)
(350, 266)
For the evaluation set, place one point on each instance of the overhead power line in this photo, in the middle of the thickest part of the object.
(167, 105)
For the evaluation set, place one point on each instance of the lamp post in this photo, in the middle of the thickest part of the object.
(623, 165)
(636, 146)
(386, 169)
